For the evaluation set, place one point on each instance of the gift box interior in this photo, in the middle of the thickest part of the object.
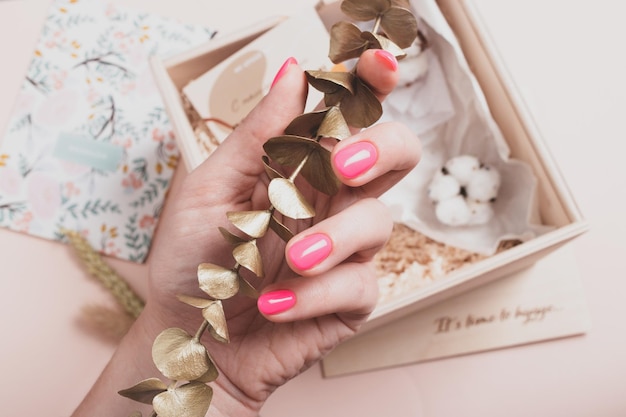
(553, 207)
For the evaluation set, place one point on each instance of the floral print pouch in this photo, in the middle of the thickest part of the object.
(89, 146)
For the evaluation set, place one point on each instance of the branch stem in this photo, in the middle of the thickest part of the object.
(295, 173)
(377, 24)
(201, 330)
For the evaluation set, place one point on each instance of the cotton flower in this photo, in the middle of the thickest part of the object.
(463, 191)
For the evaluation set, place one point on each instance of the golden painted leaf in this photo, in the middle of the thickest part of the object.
(135, 414)
(248, 255)
(400, 26)
(364, 10)
(230, 238)
(252, 223)
(245, 288)
(363, 108)
(189, 400)
(306, 125)
(334, 125)
(280, 229)
(318, 171)
(179, 356)
(219, 282)
(144, 391)
(289, 150)
(271, 172)
(345, 42)
(382, 42)
(401, 3)
(331, 82)
(214, 314)
(288, 200)
(211, 375)
(194, 301)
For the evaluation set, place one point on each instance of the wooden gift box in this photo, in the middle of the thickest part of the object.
(556, 206)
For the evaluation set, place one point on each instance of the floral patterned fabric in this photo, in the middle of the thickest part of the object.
(89, 146)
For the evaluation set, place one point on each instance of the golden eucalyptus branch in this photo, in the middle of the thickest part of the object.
(181, 357)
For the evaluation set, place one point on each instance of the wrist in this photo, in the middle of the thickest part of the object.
(226, 404)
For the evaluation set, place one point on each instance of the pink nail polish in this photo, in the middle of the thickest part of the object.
(310, 251)
(387, 59)
(275, 302)
(356, 159)
(283, 69)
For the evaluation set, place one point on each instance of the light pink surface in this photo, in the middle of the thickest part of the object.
(566, 57)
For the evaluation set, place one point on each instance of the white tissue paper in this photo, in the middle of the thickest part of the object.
(447, 109)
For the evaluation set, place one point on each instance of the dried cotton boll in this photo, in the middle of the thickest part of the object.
(480, 213)
(443, 187)
(462, 168)
(414, 65)
(463, 191)
(483, 185)
(453, 211)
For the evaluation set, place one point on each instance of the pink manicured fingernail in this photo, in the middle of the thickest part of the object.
(310, 251)
(275, 302)
(283, 69)
(356, 159)
(387, 59)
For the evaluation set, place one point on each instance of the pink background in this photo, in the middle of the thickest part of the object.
(567, 58)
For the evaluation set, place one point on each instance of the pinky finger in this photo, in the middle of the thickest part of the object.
(350, 290)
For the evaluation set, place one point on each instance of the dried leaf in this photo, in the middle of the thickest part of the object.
(219, 282)
(382, 42)
(364, 10)
(400, 26)
(328, 122)
(318, 171)
(288, 200)
(306, 125)
(214, 314)
(179, 356)
(144, 391)
(252, 223)
(189, 400)
(334, 125)
(362, 109)
(280, 229)
(231, 238)
(331, 82)
(346, 42)
(194, 301)
(289, 150)
(292, 150)
(271, 172)
(245, 288)
(248, 255)
(401, 3)
(210, 375)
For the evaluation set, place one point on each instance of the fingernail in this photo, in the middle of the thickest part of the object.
(310, 251)
(275, 302)
(356, 159)
(283, 69)
(387, 59)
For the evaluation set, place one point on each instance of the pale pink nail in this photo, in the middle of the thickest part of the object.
(275, 302)
(356, 159)
(283, 70)
(310, 251)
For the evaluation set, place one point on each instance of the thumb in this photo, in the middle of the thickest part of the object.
(238, 158)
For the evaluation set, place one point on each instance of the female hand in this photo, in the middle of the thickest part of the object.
(318, 288)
